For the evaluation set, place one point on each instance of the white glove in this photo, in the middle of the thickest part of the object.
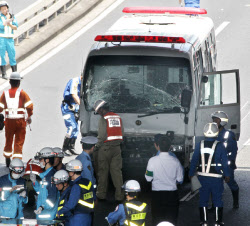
(181, 5)
(38, 211)
(23, 194)
(33, 177)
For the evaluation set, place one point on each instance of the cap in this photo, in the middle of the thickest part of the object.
(89, 140)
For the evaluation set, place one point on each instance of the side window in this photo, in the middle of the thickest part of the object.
(208, 51)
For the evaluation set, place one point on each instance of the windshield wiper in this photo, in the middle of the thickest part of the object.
(166, 110)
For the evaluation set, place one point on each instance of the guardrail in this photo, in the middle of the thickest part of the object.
(38, 15)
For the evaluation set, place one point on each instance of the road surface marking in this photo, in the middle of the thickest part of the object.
(67, 42)
(245, 116)
(244, 106)
(221, 27)
(247, 142)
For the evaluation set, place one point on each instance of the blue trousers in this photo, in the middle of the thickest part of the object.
(211, 186)
(232, 183)
(70, 122)
(192, 3)
(83, 219)
(7, 45)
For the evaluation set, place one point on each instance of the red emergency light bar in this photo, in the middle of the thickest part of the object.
(164, 10)
(136, 38)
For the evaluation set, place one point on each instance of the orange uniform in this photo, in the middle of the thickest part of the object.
(15, 101)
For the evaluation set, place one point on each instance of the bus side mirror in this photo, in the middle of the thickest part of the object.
(186, 96)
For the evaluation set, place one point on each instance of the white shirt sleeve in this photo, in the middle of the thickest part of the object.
(149, 172)
(179, 172)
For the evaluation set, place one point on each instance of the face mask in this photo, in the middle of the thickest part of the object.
(42, 165)
(16, 176)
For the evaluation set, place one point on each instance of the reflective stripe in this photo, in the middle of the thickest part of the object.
(18, 109)
(214, 164)
(1, 105)
(229, 162)
(99, 105)
(94, 186)
(226, 135)
(114, 137)
(7, 188)
(205, 213)
(112, 116)
(50, 203)
(43, 183)
(90, 205)
(60, 207)
(138, 216)
(139, 208)
(61, 202)
(7, 36)
(34, 172)
(86, 187)
(2, 196)
(27, 103)
(7, 153)
(17, 155)
(131, 223)
(209, 174)
(7, 30)
(44, 216)
(225, 144)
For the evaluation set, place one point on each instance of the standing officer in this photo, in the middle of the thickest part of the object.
(59, 155)
(191, 3)
(15, 101)
(81, 198)
(110, 137)
(211, 159)
(8, 23)
(88, 144)
(164, 171)
(13, 195)
(61, 180)
(228, 139)
(132, 212)
(70, 112)
(48, 196)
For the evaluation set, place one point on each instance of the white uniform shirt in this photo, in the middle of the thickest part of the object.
(164, 171)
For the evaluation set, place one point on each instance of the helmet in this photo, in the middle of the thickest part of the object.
(4, 3)
(74, 166)
(45, 153)
(131, 186)
(60, 176)
(211, 130)
(17, 166)
(222, 116)
(98, 104)
(58, 152)
(165, 223)
(15, 76)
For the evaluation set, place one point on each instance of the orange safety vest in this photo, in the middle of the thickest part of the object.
(114, 127)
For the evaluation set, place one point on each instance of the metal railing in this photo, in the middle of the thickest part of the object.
(38, 15)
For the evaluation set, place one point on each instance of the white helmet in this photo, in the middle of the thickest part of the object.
(98, 104)
(58, 152)
(131, 186)
(4, 3)
(45, 153)
(222, 116)
(165, 223)
(15, 76)
(17, 166)
(74, 166)
(60, 176)
(211, 130)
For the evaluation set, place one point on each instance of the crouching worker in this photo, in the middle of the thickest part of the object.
(81, 198)
(132, 212)
(48, 196)
(61, 180)
(13, 195)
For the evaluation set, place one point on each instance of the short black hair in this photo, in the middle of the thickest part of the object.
(78, 172)
(51, 160)
(157, 138)
(164, 144)
(14, 83)
(87, 146)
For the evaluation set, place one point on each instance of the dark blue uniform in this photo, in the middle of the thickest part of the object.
(211, 184)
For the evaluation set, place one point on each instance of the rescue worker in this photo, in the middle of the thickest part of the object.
(81, 198)
(8, 23)
(164, 171)
(228, 139)
(48, 196)
(61, 180)
(15, 101)
(190, 3)
(88, 144)
(132, 211)
(70, 112)
(13, 194)
(59, 155)
(211, 159)
(110, 137)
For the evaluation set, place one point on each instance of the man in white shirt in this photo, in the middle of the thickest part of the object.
(164, 171)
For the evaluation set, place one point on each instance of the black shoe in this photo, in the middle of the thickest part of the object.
(3, 70)
(66, 146)
(72, 146)
(235, 199)
(14, 68)
(7, 161)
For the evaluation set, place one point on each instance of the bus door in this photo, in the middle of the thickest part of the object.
(219, 91)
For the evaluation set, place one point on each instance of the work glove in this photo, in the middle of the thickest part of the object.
(39, 210)
(33, 178)
(28, 120)
(23, 194)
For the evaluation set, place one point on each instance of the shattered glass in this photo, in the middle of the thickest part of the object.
(137, 84)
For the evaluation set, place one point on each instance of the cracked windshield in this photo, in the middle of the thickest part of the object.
(137, 84)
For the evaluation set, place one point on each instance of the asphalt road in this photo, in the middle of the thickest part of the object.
(45, 85)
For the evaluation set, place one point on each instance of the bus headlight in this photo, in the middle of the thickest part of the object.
(176, 148)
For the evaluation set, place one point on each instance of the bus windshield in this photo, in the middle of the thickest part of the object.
(136, 84)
